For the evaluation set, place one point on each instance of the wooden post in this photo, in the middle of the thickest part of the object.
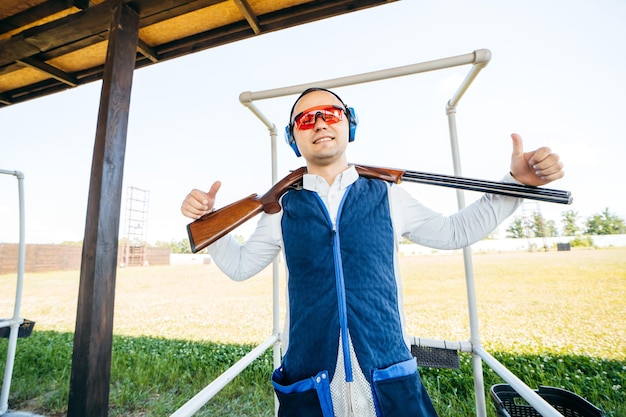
(93, 338)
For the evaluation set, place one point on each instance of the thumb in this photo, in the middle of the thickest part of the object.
(214, 189)
(518, 145)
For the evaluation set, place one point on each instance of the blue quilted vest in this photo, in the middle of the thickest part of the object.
(341, 278)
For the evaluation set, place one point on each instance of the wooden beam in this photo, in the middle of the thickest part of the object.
(248, 13)
(33, 14)
(93, 337)
(45, 87)
(147, 51)
(81, 4)
(56, 33)
(157, 11)
(54, 72)
(4, 99)
(314, 11)
(270, 22)
(86, 27)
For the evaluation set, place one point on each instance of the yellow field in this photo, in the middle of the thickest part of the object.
(571, 302)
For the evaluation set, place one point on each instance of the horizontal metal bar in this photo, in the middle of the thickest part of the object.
(18, 174)
(460, 345)
(480, 57)
(535, 401)
(11, 322)
(204, 396)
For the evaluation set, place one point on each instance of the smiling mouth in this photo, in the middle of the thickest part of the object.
(324, 139)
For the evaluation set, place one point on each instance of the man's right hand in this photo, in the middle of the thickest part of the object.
(198, 203)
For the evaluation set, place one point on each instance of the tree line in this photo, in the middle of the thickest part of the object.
(603, 223)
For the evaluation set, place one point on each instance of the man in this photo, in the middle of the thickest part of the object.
(346, 351)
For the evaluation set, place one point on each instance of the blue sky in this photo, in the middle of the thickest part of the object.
(556, 77)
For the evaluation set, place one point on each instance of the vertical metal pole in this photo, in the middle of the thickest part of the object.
(16, 321)
(275, 274)
(479, 386)
(93, 338)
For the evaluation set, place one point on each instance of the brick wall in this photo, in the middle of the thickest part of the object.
(41, 258)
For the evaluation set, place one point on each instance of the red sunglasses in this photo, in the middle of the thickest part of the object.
(329, 113)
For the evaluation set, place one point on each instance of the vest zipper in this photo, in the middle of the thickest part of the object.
(343, 309)
(341, 302)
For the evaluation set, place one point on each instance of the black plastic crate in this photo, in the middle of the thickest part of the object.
(25, 330)
(510, 404)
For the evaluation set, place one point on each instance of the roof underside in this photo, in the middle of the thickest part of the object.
(48, 46)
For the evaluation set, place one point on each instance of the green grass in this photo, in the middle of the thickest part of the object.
(153, 377)
(149, 376)
(555, 318)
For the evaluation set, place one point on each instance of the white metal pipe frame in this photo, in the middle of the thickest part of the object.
(478, 60)
(15, 321)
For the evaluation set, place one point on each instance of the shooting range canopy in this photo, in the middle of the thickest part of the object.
(47, 46)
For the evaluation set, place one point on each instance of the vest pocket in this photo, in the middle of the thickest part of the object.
(307, 398)
(398, 391)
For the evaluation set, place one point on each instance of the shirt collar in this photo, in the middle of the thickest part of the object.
(318, 184)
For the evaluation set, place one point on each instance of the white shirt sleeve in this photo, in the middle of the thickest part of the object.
(242, 261)
(427, 227)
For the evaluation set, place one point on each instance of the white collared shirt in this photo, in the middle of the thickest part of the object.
(331, 195)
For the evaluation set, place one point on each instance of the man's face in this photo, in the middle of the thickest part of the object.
(325, 142)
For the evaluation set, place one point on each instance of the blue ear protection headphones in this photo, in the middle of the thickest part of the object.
(350, 114)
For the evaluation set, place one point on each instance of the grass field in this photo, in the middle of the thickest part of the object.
(555, 318)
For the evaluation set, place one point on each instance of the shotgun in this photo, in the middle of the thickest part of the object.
(214, 225)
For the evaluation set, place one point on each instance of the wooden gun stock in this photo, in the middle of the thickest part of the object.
(212, 226)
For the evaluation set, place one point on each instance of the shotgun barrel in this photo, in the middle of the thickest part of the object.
(510, 189)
